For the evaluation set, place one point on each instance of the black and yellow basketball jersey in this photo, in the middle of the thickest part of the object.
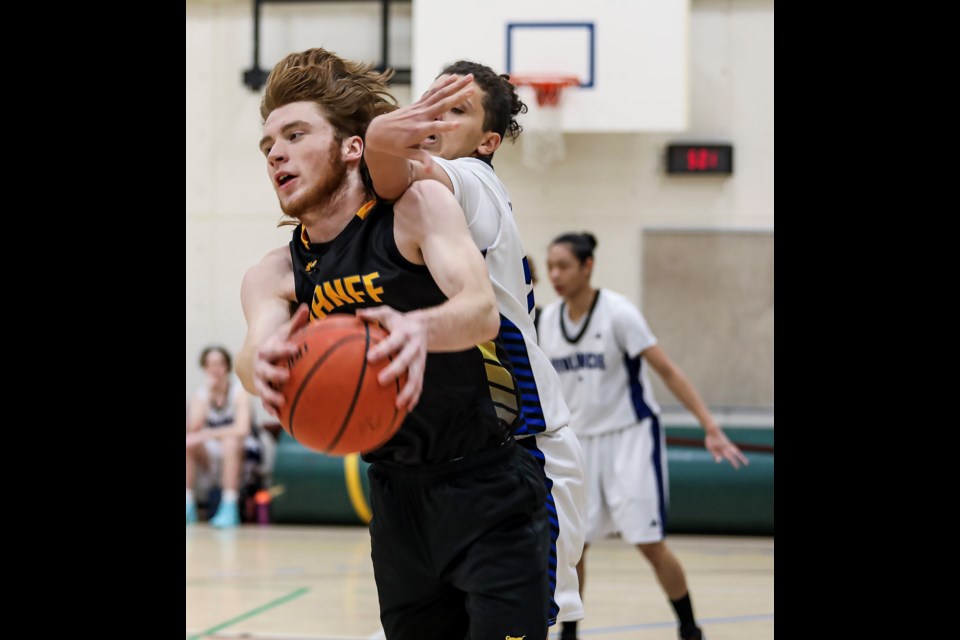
(469, 400)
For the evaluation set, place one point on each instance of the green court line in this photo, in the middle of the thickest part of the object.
(250, 614)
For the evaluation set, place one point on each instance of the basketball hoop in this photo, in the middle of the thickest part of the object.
(542, 131)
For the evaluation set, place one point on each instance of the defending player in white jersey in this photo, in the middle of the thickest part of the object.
(450, 135)
(601, 346)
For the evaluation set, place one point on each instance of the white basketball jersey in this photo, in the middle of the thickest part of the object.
(604, 378)
(225, 415)
(489, 214)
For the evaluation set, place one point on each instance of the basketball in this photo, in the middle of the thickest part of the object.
(333, 401)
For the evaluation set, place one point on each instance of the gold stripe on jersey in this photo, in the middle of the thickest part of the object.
(503, 398)
(365, 209)
(502, 390)
(362, 213)
(498, 375)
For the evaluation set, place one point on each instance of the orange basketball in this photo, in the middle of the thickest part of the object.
(334, 403)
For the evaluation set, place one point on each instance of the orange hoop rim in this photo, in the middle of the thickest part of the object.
(548, 86)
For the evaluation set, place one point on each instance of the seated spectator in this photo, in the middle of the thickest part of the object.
(221, 437)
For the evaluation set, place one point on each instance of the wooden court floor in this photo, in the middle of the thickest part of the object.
(316, 583)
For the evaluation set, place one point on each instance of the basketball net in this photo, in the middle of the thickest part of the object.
(542, 137)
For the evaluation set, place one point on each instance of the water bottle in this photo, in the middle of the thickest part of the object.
(262, 498)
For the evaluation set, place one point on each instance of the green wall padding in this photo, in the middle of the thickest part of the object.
(710, 497)
(314, 487)
(705, 497)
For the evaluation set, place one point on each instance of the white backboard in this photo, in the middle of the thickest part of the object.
(631, 56)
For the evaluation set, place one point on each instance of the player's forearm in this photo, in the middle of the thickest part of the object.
(391, 175)
(244, 367)
(391, 169)
(390, 172)
(689, 398)
(464, 321)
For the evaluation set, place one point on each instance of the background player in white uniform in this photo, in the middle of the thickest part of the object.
(600, 345)
(450, 135)
(218, 427)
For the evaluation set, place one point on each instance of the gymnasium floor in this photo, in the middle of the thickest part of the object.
(316, 583)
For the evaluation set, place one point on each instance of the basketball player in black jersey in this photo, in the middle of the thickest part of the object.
(408, 145)
(459, 532)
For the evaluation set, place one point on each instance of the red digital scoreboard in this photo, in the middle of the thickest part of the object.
(715, 159)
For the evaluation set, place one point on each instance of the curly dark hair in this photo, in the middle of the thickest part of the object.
(501, 104)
